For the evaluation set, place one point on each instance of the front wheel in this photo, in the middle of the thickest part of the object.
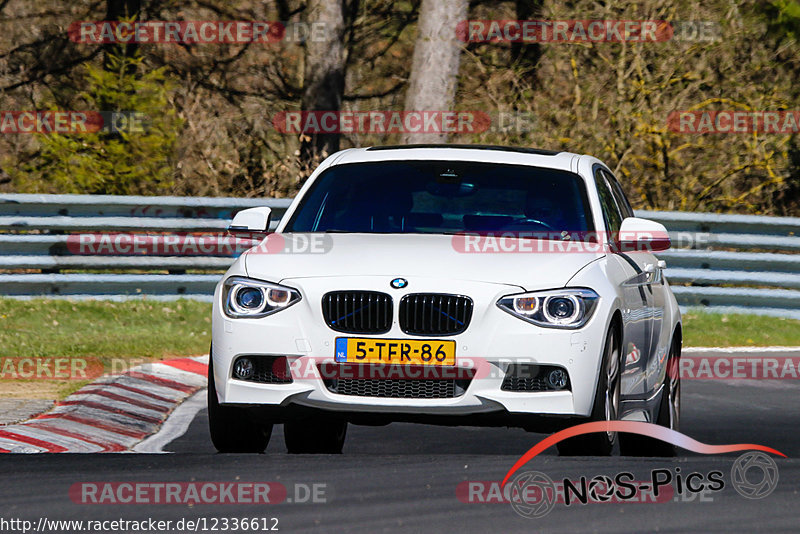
(605, 408)
(234, 429)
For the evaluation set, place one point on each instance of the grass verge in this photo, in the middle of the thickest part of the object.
(701, 329)
(90, 334)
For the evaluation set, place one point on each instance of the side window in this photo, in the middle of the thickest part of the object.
(611, 212)
(619, 195)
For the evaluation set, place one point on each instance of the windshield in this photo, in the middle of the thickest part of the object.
(432, 197)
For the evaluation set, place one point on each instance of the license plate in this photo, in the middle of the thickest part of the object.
(396, 351)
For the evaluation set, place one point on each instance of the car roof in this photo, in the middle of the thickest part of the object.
(523, 150)
(478, 153)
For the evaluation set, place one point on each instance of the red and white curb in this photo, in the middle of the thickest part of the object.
(117, 413)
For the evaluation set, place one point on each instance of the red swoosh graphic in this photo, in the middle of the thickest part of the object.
(634, 427)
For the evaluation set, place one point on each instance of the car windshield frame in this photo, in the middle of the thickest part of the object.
(580, 186)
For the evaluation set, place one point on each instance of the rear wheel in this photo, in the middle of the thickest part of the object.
(317, 435)
(234, 429)
(669, 413)
(605, 408)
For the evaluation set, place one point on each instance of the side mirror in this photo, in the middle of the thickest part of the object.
(642, 235)
(251, 221)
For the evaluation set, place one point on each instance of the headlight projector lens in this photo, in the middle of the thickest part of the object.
(250, 298)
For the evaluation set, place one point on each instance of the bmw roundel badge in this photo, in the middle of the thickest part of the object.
(399, 283)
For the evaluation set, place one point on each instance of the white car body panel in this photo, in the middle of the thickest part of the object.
(418, 255)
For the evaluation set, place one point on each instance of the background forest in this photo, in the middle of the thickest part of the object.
(211, 106)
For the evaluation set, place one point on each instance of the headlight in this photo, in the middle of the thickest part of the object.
(247, 297)
(557, 308)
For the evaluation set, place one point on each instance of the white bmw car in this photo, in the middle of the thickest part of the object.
(446, 284)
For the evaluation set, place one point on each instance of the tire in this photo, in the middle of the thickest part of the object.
(605, 407)
(234, 429)
(317, 435)
(669, 413)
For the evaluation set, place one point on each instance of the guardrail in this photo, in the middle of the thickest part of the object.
(39, 234)
(737, 263)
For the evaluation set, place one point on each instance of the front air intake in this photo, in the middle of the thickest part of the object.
(434, 314)
(358, 312)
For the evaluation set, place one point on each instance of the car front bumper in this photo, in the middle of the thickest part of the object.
(493, 341)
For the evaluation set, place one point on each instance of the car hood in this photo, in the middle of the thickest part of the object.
(528, 263)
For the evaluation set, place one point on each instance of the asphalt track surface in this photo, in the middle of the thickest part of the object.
(403, 477)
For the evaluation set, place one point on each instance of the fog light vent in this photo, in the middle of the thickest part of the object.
(533, 377)
(263, 369)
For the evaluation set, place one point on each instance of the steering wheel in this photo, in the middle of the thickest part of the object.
(530, 221)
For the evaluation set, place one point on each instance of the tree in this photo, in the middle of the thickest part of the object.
(121, 10)
(325, 61)
(434, 68)
(120, 162)
(527, 55)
